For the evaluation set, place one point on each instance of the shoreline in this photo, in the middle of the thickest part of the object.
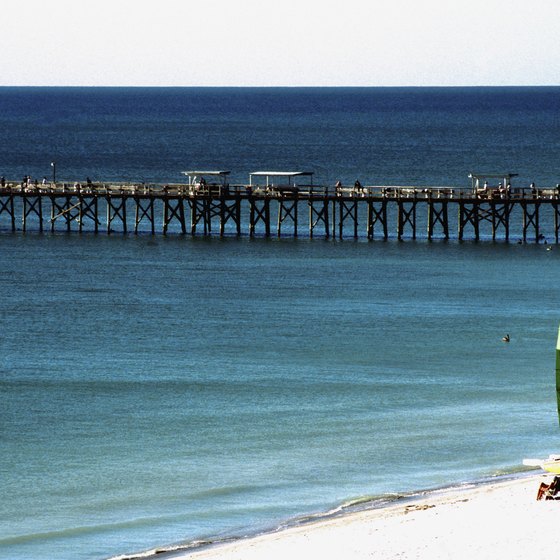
(492, 520)
(478, 515)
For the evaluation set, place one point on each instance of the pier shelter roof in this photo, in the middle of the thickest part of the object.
(217, 176)
(273, 177)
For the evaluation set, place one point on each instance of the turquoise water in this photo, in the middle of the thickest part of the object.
(161, 390)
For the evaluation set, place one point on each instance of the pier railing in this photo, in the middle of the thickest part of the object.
(376, 191)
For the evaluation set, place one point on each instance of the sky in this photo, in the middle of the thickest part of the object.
(279, 43)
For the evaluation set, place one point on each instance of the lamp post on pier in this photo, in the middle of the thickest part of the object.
(53, 165)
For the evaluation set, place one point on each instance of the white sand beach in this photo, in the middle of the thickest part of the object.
(496, 520)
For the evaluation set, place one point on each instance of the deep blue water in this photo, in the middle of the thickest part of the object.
(422, 136)
(157, 390)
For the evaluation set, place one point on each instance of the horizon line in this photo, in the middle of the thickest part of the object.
(223, 86)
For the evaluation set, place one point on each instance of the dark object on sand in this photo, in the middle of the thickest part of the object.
(549, 491)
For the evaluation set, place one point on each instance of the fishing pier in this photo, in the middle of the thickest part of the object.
(286, 204)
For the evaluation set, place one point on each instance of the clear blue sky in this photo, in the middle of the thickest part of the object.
(284, 42)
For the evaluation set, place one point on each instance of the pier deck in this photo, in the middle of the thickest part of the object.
(216, 208)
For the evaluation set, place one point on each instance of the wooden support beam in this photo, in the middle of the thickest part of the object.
(500, 211)
(7, 206)
(406, 215)
(318, 215)
(437, 214)
(173, 209)
(288, 209)
(214, 210)
(230, 210)
(88, 209)
(257, 214)
(347, 211)
(66, 210)
(377, 213)
(469, 214)
(144, 209)
(116, 210)
(199, 212)
(531, 218)
(333, 221)
(32, 204)
(556, 220)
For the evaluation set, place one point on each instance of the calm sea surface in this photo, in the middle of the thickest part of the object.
(160, 390)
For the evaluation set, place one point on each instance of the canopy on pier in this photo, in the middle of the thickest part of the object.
(216, 176)
(281, 177)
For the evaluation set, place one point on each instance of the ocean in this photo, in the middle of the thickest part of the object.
(159, 391)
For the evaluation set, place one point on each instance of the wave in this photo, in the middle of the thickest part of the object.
(167, 549)
(223, 491)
